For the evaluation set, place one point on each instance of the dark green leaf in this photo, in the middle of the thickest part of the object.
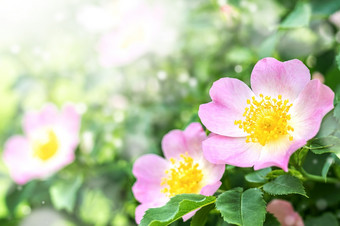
(271, 220)
(242, 208)
(325, 8)
(284, 185)
(299, 17)
(17, 194)
(326, 219)
(176, 208)
(201, 216)
(338, 60)
(258, 176)
(63, 193)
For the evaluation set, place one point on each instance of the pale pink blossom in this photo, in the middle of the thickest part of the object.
(265, 125)
(184, 170)
(48, 144)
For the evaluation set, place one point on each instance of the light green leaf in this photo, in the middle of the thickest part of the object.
(325, 219)
(63, 193)
(268, 46)
(176, 208)
(258, 176)
(284, 185)
(336, 111)
(201, 216)
(323, 145)
(242, 208)
(299, 17)
(330, 160)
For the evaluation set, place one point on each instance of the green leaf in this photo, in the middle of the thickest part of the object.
(271, 220)
(17, 194)
(284, 185)
(338, 60)
(268, 46)
(299, 17)
(258, 176)
(336, 112)
(63, 193)
(176, 208)
(326, 219)
(325, 8)
(242, 208)
(328, 125)
(330, 160)
(201, 216)
(323, 145)
(275, 173)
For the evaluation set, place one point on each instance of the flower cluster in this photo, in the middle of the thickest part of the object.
(259, 127)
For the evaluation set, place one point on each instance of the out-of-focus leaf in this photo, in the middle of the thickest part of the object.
(201, 217)
(95, 207)
(284, 185)
(64, 193)
(267, 47)
(326, 219)
(299, 17)
(176, 208)
(325, 8)
(17, 194)
(321, 145)
(242, 208)
(258, 176)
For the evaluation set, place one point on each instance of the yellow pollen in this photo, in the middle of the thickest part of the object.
(266, 120)
(184, 176)
(47, 148)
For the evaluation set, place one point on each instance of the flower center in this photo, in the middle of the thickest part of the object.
(47, 147)
(184, 176)
(266, 120)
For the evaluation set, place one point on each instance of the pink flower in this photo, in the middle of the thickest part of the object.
(284, 212)
(183, 171)
(262, 127)
(48, 144)
(135, 37)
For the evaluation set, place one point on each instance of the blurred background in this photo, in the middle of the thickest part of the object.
(135, 69)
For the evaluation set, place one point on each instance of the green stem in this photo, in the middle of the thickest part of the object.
(318, 178)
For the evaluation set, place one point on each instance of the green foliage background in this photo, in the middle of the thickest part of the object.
(127, 110)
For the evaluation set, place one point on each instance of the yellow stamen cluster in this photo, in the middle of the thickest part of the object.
(47, 148)
(266, 120)
(184, 176)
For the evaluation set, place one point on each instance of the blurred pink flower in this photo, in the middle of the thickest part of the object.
(318, 75)
(137, 33)
(262, 127)
(183, 171)
(48, 144)
(284, 212)
(335, 18)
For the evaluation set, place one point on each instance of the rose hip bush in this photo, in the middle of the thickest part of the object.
(170, 112)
